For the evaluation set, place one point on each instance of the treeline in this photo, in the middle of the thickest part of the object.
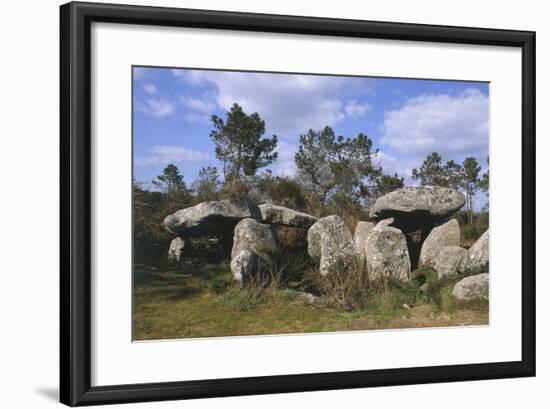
(335, 175)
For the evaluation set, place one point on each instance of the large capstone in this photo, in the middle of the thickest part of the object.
(387, 254)
(211, 217)
(331, 244)
(450, 261)
(418, 206)
(254, 246)
(448, 234)
(472, 287)
(280, 215)
(478, 254)
(362, 231)
(175, 252)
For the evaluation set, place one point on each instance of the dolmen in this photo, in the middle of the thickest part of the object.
(251, 229)
(412, 227)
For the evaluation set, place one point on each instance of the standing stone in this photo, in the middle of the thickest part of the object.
(362, 231)
(175, 252)
(448, 234)
(450, 261)
(254, 245)
(244, 265)
(330, 242)
(472, 287)
(478, 254)
(211, 217)
(280, 215)
(387, 254)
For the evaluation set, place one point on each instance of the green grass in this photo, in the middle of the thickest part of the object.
(202, 301)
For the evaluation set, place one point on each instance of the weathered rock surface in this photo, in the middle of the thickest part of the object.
(280, 215)
(211, 217)
(254, 245)
(450, 261)
(387, 253)
(472, 287)
(244, 265)
(448, 234)
(417, 206)
(330, 242)
(362, 231)
(175, 252)
(478, 254)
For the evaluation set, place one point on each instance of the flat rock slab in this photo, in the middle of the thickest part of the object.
(211, 217)
(280, 215)
(175, 252)
(418, 206)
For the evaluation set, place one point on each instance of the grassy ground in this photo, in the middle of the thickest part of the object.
(202, 301)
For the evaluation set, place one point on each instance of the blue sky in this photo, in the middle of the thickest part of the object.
(406, 118)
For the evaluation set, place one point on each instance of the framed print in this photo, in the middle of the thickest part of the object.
(259, 204)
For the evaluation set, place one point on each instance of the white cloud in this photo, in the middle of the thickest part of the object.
(453, 126)
(290, 104)
(355, 109)
(156, 107)
(285, 165)
(206, 105)
(194, 118)
(165, 154)
(391, 165)
(141, 73)
(150, 88)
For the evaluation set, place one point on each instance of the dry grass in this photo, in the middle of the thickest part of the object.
(202, 301)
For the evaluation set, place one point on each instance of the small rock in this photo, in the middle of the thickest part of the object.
(175, 252)
(472, 287)
(307, 296)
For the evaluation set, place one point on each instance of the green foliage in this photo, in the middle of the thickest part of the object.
(171, 181)
(151, 240)
(388, 183)
(431, 172)
(329, 164)
(282, 191)
(464, 177)
(207, 185)
(239, 143)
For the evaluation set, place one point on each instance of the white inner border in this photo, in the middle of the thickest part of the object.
(117, 360)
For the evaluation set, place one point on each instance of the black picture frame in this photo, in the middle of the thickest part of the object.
(75, 199)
